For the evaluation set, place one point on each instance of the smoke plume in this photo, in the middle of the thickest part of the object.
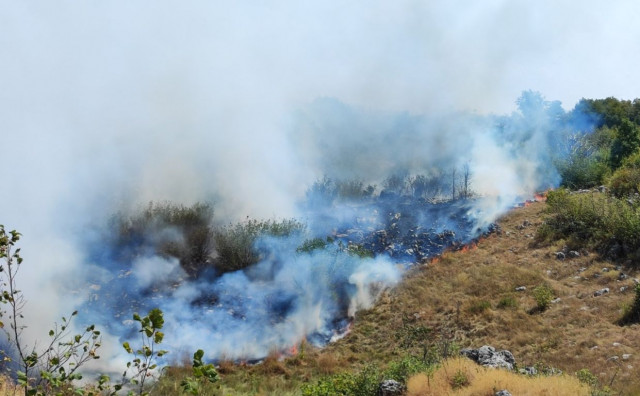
(106, 107)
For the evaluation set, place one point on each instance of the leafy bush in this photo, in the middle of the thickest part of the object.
(309, 245)
(327, 190)
(596, 220)
(201, 373)
(632, 314)
(401, 370)
(363, 383)
(543, 295)
(459, 380)
(168, 230)
(586, 377)
(235, 244)
(583, 172)
(627, 142)
(479, 306)
(40, 371)
(626, 180)
(360, 251)
(507, 302)
(144, 362)
(587, 164)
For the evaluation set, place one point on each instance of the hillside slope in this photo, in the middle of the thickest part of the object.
(468, 298)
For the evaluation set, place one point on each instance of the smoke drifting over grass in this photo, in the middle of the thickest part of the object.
(105, 107)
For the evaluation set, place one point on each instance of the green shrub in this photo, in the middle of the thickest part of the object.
(586, 377)
(360, 251)
(401, 370)
(479, 306)
(507, 302)
(309, 245)
(625, 182)
(543, 295)
(51, 367)
(588, 162)
(632, 314)
(235, 244)
(459, 380)
(593, 220)
(363, 383)
(169, 230)
(584, 171)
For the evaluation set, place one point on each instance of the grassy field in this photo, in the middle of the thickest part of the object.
(467, 298)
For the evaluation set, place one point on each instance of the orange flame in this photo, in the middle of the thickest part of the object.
(541, 197)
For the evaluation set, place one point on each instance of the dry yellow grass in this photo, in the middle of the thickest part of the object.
(480, 381)
(8, 388)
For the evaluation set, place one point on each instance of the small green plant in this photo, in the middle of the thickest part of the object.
(401, 370)
(543, 295)
(459, 380)
(363, 383)
(309, 245)
(586, 377)
(478, 307)
(144, 359)
(418, 340)
(54, 368)
(632, 312)
(201, 373)
(360, 251)
(507, 302)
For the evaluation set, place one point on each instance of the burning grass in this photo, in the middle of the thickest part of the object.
(576, 332)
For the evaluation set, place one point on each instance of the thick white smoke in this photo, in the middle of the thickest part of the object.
(106, 106)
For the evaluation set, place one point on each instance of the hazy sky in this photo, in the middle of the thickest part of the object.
(178, 100)
(108, 103)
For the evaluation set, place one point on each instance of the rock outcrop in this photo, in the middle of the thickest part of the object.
(487, 356)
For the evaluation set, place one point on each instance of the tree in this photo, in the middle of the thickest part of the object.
(626, 142)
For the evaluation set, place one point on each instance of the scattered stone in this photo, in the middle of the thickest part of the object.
(390, 388)
(593, 348)
(503, 392)
(582, 269)
(560, 255)
(487, 356)
(573, 254)
(521, 288)
(600, 292)
(603, 189)
(553, 371)
(529, 371)
(636, 281)
(616, 344)
(623, 289)
(626, 356)
(614, 358)
(555, 300)
(623, 276)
